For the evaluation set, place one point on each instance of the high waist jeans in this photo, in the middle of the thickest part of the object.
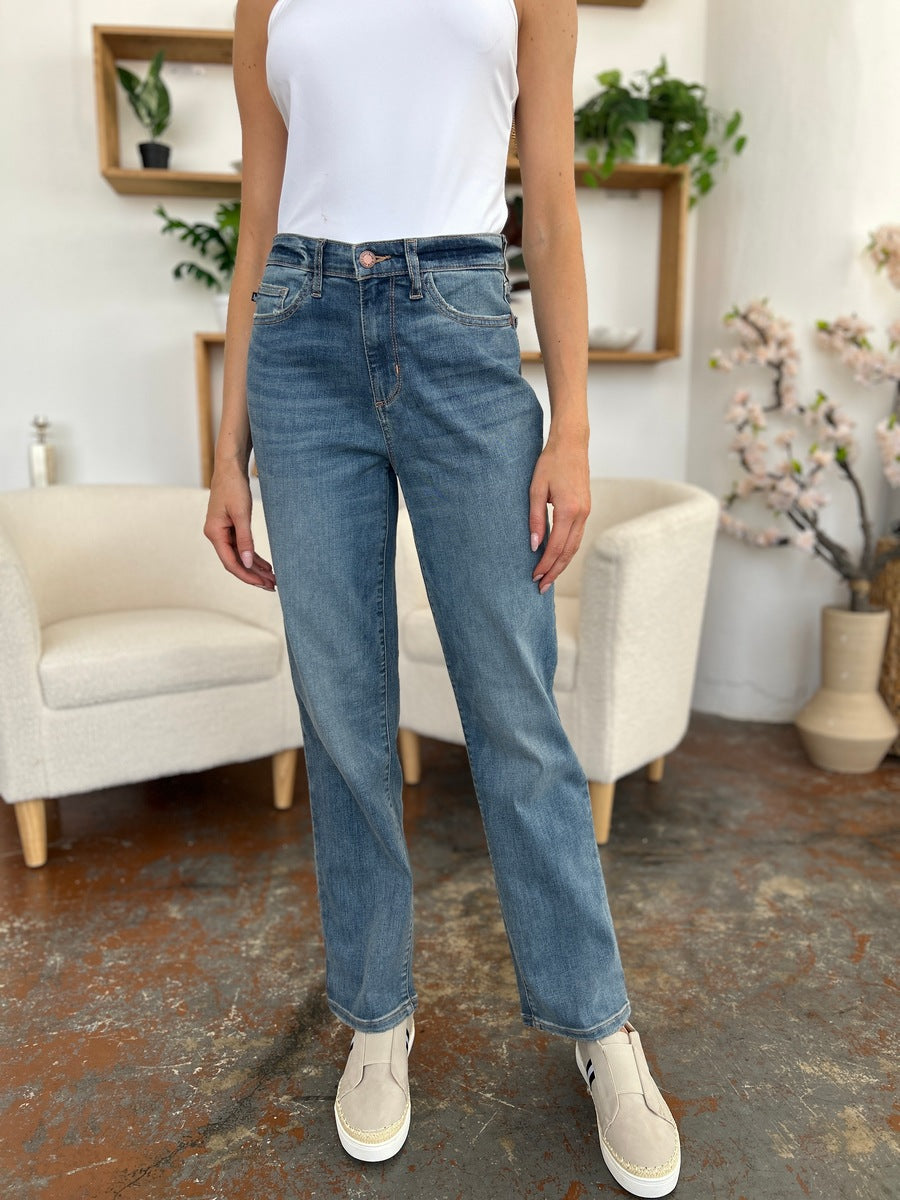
(399, 360)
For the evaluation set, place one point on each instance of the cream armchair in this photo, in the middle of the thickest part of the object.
(629, 609)
(127, 651)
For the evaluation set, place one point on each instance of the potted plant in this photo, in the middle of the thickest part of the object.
(216, 242)
(687, 129)
(149, 98)
(846, 726)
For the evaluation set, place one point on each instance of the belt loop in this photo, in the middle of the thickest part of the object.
(317, 268)
(412, 263)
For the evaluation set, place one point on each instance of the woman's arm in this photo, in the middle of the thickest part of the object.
(554, 259)
(264, 141)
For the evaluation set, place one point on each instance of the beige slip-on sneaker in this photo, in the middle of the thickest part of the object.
(638, 1135)
(372, 1108)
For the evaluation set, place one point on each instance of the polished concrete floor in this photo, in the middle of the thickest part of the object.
(164, 1032)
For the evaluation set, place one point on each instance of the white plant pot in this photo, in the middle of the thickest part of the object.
(648, 142)
(220, 301)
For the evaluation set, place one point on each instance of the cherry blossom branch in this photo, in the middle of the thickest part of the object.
(792, 487)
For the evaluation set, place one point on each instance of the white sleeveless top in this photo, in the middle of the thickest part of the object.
(398, 115)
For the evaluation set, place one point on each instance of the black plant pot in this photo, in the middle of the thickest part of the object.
(154, 154)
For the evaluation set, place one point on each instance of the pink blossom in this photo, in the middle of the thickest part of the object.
(789, 399)
(768, 341)
(811, 501)
(769, 537)
(887, 431)
(783, 495)
(884, 251)
(750, 484)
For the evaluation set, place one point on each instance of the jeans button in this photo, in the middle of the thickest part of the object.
(367, 258)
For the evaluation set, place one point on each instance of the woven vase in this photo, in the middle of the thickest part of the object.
(847, 726)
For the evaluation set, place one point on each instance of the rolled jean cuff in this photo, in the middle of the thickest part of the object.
(610, 1025)
(377, 1024)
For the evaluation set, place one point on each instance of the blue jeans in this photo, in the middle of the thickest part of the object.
(399, 360)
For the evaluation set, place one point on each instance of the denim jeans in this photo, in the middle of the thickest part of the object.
(399, 360)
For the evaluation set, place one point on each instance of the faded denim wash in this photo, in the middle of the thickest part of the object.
(399, 360)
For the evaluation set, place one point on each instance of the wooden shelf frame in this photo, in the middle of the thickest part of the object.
(113, 43)
(674, 186)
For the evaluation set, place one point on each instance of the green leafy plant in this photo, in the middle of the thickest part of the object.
(149, 97)
(217, 242)
(692, 132)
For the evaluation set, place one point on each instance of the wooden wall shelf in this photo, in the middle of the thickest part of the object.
(113, 43)
(673, 184)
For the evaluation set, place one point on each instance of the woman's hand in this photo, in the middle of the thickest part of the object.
(561, 478)
(228, 527)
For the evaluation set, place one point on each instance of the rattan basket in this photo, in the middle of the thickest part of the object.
(886, 592)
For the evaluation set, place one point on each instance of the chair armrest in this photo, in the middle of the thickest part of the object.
(643, 596)
(21, 701)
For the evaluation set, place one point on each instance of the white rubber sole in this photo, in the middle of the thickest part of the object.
(648, 1189)
(379, 1151)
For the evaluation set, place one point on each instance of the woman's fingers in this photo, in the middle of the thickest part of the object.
(565, 538)
(228, 528)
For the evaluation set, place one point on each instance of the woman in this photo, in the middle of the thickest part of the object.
(370, 339)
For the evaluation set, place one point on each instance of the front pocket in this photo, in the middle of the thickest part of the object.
(470, 295)
(281, 292)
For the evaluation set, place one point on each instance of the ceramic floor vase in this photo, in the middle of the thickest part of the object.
(847, 726)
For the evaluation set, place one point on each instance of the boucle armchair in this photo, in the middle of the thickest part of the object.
(128, 651)
(629, 609)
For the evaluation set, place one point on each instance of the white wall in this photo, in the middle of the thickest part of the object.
(816, 80)
(96, 332)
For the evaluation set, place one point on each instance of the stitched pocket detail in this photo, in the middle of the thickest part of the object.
(470, 296)
(281, 293)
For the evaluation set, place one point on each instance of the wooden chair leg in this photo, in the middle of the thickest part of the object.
(284, 773)
(31, 818)
(656, 769)
(602, 795)
(410, 755)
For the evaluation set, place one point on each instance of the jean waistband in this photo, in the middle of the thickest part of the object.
(396, 256)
